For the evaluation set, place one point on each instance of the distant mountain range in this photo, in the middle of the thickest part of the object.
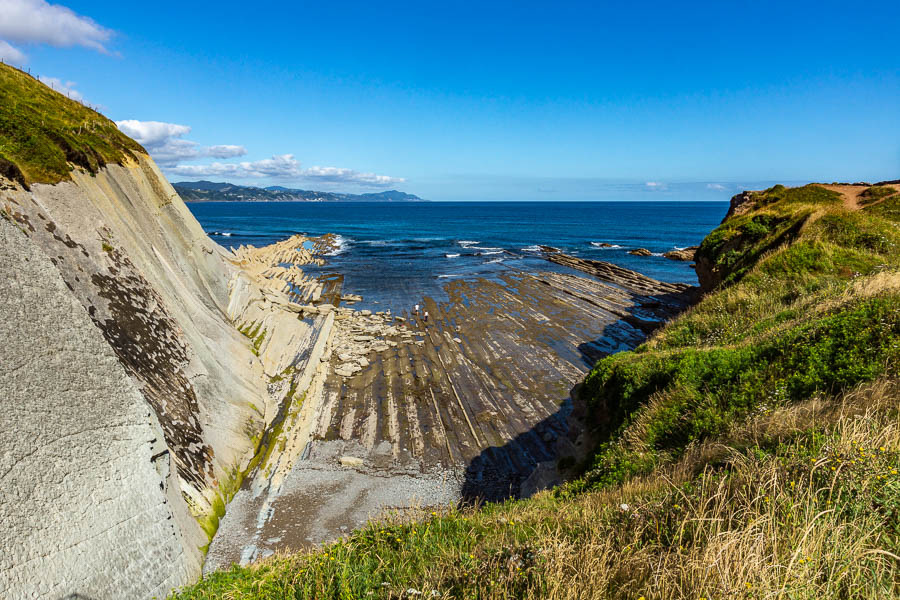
(210, 191)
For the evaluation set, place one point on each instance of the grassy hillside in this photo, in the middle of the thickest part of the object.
(43, 134)
(749, 449)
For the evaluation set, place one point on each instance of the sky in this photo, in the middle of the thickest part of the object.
(485, 100)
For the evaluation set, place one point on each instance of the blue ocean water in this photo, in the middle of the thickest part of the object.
(393, 254)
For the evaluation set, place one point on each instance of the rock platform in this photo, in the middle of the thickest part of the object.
(475, 404)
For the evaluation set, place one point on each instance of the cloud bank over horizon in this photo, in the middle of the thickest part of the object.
(166, 144)
(286, 168)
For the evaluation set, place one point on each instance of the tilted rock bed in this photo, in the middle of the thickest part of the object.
(473, 404)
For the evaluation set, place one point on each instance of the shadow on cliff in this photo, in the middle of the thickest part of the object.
(648, 314)
(499, 472)
(528, 463)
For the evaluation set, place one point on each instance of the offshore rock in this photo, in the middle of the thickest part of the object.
(682, 254)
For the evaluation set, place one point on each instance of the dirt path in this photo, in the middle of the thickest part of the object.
(849, 194)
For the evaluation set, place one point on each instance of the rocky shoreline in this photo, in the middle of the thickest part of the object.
(399, 413)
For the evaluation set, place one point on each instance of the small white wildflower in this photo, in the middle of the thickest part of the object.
(623, 506)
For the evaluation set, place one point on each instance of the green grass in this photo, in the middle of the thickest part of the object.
(674, 398)
(779, 328)
(876, 193)
(43, 134)
(749, 449)
(807, 510)
(256, 334)
(209, 520)
(888, 209)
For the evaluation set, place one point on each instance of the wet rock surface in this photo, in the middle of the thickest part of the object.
(474, 404)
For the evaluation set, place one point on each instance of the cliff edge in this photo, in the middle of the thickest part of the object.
(132, 404)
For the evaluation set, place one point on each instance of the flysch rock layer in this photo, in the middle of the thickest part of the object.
(472, 404)
(150, 372)
(90, 503)
(168, 304)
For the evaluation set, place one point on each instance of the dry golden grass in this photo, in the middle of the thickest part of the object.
(795, 503)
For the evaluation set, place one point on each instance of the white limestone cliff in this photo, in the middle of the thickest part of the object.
(131, 402)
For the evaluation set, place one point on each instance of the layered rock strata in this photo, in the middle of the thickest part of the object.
(474, 404)
(140, 442)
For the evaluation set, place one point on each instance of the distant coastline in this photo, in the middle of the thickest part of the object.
(210, 191)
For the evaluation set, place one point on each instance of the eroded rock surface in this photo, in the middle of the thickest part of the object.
(90, 502)
(473, 404)
(182, 370)
(137, 265)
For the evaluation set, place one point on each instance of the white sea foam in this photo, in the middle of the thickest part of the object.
(340, 245)
(380, 243)
(491, 252)
(467, 243)
(451, 255)
(531, 249)
(450, 275)
(601, 246)
(496, 260)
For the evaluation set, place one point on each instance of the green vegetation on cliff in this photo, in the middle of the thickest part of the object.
(749, 449)
(807, 305)
(43, 134)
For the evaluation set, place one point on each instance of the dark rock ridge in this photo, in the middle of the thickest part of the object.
(667, 298)
(211, 191)
(640, 252)
(740, 204)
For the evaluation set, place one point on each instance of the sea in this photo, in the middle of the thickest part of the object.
(394, 254)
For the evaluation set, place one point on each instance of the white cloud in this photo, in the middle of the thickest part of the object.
(66, 89)
(655, 185)
(162, 140)
(226, 151)
(716, 186)
(339, 175)
(151, 133)
(165, 144)
(38, 22)
(284, 166)
(11, 54)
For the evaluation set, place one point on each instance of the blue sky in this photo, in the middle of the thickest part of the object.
(480, 100)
